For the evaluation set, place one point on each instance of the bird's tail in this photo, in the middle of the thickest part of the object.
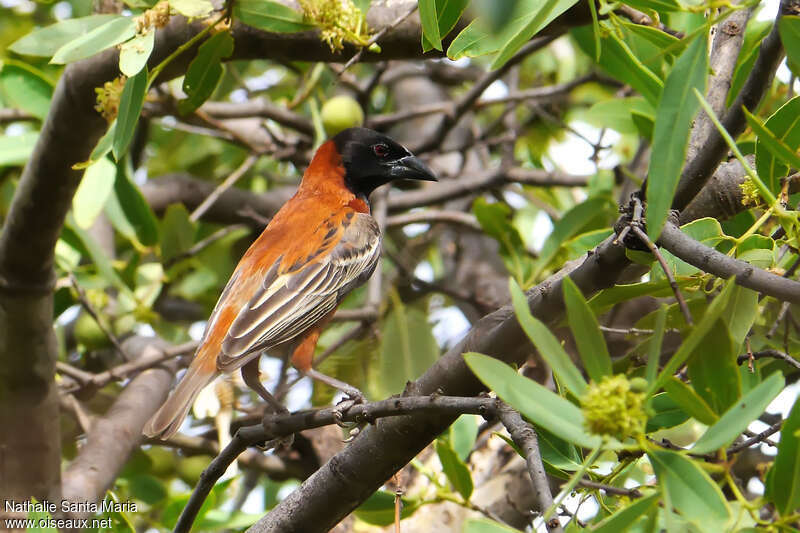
(169, 417)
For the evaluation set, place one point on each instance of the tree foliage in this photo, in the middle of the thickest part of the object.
(615, 227)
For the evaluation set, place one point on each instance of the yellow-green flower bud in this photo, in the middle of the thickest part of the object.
(613, 408)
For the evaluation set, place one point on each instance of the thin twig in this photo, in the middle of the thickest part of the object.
(125, 370)
(224, 186)
(396, 22)
(667, 272)
(627, 331)
(610, 489)
(525, 437)
(280, 425)
(201, 245)
(709, 260)
(774, 428)
(89, 308)
(771, 354)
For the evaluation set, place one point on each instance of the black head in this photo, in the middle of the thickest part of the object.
(371, 159)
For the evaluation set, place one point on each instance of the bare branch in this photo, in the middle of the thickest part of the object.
(525, 437)
(288, 424)
(711, 261)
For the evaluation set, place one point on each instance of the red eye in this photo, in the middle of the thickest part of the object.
(380, 150)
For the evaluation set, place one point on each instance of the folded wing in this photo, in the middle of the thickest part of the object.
(297, 294)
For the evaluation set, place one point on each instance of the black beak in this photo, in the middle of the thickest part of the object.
(411, 168)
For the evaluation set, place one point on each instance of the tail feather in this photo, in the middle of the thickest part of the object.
(169, 417)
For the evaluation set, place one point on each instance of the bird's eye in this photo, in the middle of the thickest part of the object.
(381, 150)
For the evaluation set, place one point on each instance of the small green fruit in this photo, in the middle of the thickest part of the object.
(189, 469)
(340, 113)
(89, 334)
(639, 384)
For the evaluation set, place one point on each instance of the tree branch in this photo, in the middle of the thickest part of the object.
(525, 437)
(698, 169)
(282, 425)
(714, 262)
(114, 436)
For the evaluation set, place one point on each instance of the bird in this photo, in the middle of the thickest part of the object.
(320, 245)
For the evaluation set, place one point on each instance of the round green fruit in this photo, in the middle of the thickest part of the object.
(340, 113)
(190, 468)
(89, 334)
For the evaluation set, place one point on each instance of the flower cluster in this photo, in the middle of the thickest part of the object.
(155, 17)
(614, 408)
(108, 97)
(337, 20)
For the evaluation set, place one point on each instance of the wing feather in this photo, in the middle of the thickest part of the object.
(288, 303)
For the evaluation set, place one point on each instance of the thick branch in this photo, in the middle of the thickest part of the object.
(356, 472)
(288, 424)
(698, 169)
(525, 437)
(714, 262)
(116, 434)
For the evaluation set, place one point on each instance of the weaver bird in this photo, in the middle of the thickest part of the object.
(320, 245)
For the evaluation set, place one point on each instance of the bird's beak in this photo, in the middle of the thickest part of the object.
(411, 168)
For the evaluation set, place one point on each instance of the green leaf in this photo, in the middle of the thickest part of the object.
(101, 261)
(481, 38)
(270, 16)
(447, 14)
(192, 8)
(25, 87)
(621, 520)
(620, 62)
(541, 16)
(484, 525)
(783, 480)
(177, 232)
(147, 488)
(133, 55)
(736, 419)
(130, 106)
(407, 348)
(378, 509)
(654, 348)
(547, 344)
(205, 71)
(776, 147)
(698, 333)
(664, 6)
(101, 149)
(671, 134)
(586, 332)
(743, 306)
(713, 369)
(539, 405)
(691, 491)
(616, 113)
(784, 126)
(570, 224)
(556, 452)
(109, 34)
(135, 209)
(93, 191)
(430, 23)
(454, 468)
(495, 221)
(666, 413)
(16, 149)
(789, 29)
(46, 41)
(689, 401)
(463, 433)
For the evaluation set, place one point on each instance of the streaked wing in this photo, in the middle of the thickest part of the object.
(292, 299)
